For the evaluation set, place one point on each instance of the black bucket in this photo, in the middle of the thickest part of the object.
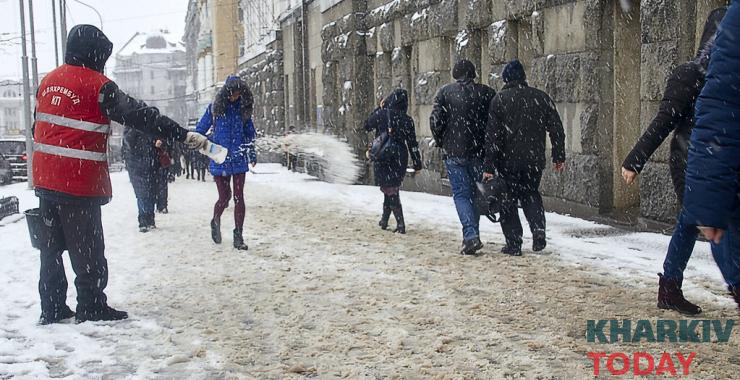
(43, 232)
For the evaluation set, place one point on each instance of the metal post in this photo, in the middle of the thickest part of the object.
(34, 59)
(26, 99)
(56, 36)
(63, 25)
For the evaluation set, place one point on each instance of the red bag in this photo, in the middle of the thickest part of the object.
(164, 158)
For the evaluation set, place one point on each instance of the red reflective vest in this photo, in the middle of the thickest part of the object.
(71, 134)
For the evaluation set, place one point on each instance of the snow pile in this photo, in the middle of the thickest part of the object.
(335, 160)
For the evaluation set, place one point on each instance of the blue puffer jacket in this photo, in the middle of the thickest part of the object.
(233, 133)
(712, 175)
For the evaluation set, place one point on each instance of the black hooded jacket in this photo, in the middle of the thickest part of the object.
(676, 111)
(520, 117)
(460, 113)
(390, 173)
(87, 46)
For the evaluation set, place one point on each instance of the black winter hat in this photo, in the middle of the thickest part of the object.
(88, 46)
(514, 71)
(464, 69)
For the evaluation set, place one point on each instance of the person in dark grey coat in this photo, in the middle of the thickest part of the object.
(142, 164)
(519, 119)
(676, 114)
(458, 124)
(390, 172)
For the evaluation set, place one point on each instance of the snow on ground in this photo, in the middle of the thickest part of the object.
(323, 292)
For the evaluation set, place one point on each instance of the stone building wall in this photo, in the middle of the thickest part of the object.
(605, 69)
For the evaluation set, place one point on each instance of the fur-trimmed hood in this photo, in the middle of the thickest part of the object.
(246, 102)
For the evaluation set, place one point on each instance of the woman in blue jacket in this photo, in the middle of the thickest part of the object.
(229, 118)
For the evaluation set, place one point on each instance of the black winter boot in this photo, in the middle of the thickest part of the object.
(511, 250)
(59, 315)
(397, 209)
(538, 241)
(735, 293)
(107, 313)
(386, 214)
(216, 231)
(239, 241)
(670, 296)
(471, 247)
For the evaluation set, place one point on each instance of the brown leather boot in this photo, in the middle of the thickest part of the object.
(670, 296)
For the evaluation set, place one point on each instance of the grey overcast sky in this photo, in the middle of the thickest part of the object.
(121, 19)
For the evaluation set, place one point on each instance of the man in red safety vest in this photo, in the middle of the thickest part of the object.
(75, 104)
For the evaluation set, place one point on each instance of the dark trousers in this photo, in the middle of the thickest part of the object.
(524, 186)
(224, 194)
(161, 190)
(77, 229)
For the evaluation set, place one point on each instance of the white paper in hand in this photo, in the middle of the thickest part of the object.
(215, 152)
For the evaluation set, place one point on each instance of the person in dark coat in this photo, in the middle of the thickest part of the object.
(164, 171)
(458, 124)
(711, 197)
(676, 114)
(389, 173)
(520, 117)
(230, 117)
(142, 164)
(73, 221)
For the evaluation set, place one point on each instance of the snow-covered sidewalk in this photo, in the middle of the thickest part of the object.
(323, 292)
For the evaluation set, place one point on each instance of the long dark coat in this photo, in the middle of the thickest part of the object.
(676, 112)
(390, 172)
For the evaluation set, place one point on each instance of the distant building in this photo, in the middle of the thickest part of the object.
(151, 67)
(210, 26)
(11, 108)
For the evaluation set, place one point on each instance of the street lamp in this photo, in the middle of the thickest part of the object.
(94, 10)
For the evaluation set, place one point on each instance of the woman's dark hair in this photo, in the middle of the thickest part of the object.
(234, 85)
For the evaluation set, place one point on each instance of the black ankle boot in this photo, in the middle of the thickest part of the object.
(56, 316)
(216, 231)
(670, 296)
(106, 313)
(539, 242)
(239, 241)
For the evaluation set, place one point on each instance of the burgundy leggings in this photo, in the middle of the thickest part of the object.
(224, 194)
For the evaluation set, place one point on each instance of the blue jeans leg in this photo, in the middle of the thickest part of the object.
(146, 205)
(463, 175)
(680, 249)
(727, 254)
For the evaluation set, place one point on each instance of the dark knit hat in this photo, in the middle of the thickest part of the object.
(464, 69)
(514, 71)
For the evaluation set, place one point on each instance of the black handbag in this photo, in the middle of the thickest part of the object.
(492, 197)
(380, 147)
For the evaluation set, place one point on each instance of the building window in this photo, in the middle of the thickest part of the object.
(152, 74)
(152, 90)
(241, 14)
